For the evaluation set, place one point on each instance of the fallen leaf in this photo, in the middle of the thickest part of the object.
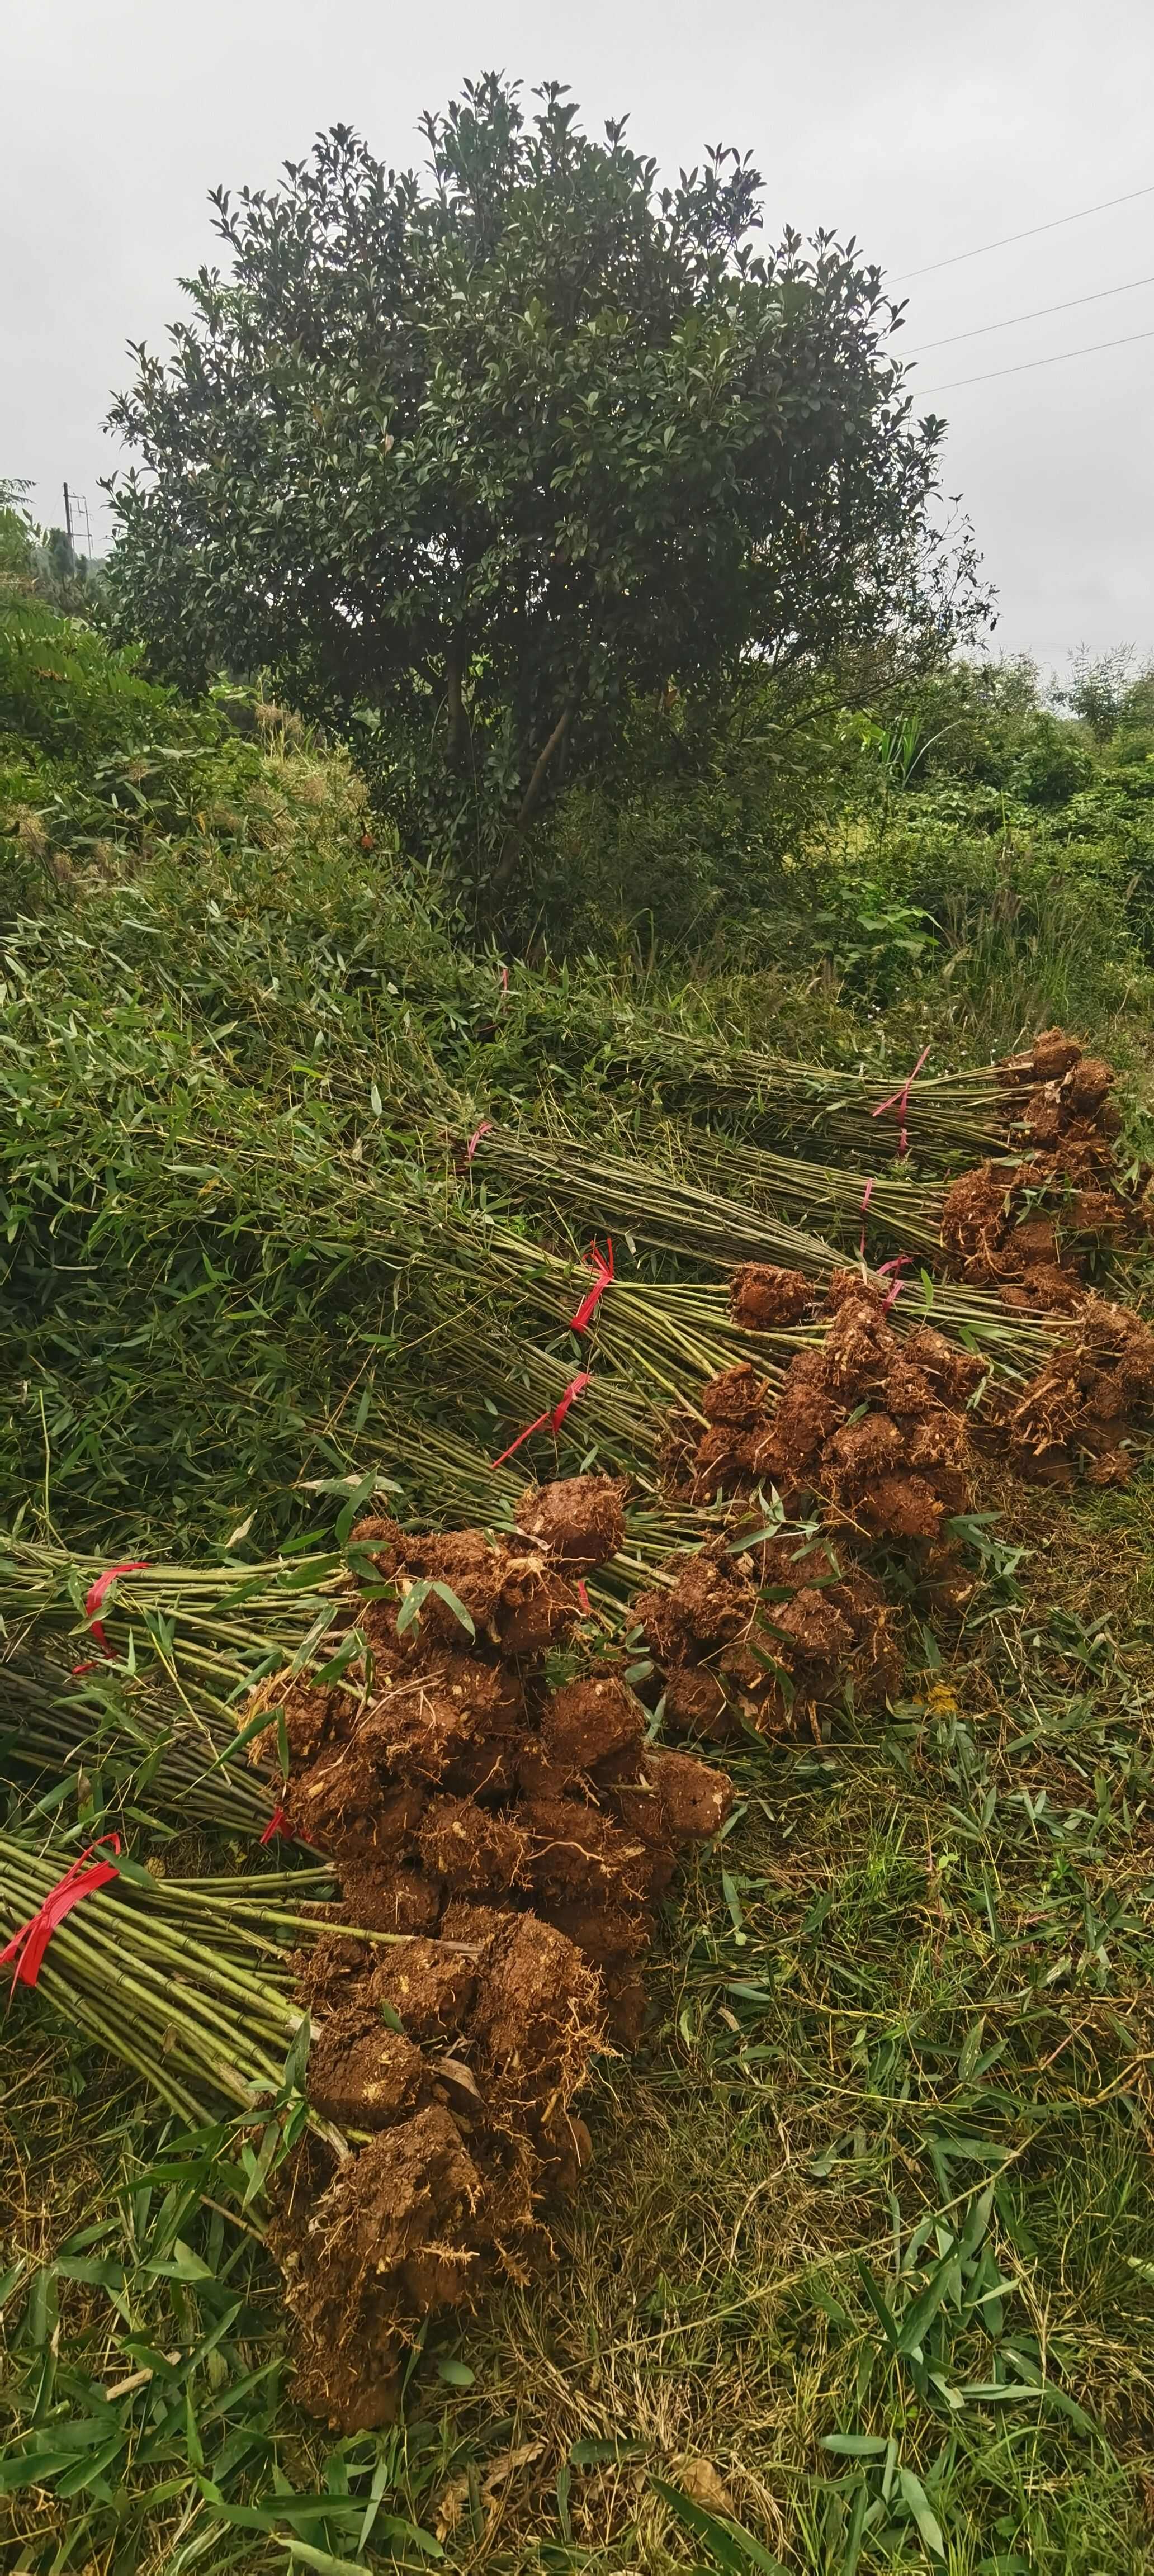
(698, 2479)
(501, 2469)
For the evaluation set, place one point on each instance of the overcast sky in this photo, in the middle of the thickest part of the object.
(925, 127)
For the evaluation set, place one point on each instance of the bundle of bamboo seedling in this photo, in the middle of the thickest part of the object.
(947, 1117)
(677, 1217)
(140, 1721)
(186, 1980)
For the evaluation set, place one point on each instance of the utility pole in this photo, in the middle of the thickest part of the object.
(75, 515)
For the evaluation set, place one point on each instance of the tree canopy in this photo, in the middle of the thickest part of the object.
(482, 452)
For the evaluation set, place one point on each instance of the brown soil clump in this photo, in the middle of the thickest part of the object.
(1094, 1394)
(361, 2074)
(769, 1639)
(1031, 1230)
(763, 1298)
(580, 1521)
(858, 1424)
(519, 1836)
(587, 1722)
(427, 1984)
(394, 2233)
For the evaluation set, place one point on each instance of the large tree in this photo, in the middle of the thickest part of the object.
(478, 455)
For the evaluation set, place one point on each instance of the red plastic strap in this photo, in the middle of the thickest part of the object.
(276, 1825)
(96, 1594)
(504, 982)
(866, 1196)
(583, 1597)
(485, 1129)
(601, 1264)
(901, 1261)
(900, 1100)
(551, 1421)
(28, 1945)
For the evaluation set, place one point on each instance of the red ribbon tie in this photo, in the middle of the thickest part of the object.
(866, 1196)
(900, 1101)
(551, 1421)
(485, 1129)
(275, 1826)
(601, 1264)
(28, 1945)
(93, 1599)
(901, 1261)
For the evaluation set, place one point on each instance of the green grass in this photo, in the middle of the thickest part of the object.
(864, 2266)
(901, 2052)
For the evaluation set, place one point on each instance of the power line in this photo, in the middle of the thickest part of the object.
(1036, 316)
(1029, 235)
(1029, 363)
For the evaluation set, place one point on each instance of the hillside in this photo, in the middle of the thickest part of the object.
(299, 1176)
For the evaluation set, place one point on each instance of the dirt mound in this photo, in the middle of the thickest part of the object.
(587, 1722)
(769, 1638)
(1069, 1095)
(397, 2230)
(1094, 1393)
(1032, 1230)
(521, 1835)
(763, 1298)
(506, 1589)
(859, 1424)
(1069, 1121)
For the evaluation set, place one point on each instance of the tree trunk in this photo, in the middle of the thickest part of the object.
(531, 798)
(458, 736)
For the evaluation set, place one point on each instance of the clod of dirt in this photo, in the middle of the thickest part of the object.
(360, 2073)
(456, 1792)
(429, 1985)
(387, 1898)
(625, 2003)
(1067, 1094)
(954, 1375)
(803, 1629)
(538, 2013)
(1095, 1391)
(471, 1849)
(693, 1797)
(763, 1298)
(708, 1602)
(580, 1520)
(303, 1715)
(586, 1722)
(425, 1726)
(724, 1462)
(606, 1935)
(514, 1598)
(698, 1703)
(1053, 1054)
(735, 1398)
(538, 1610)
(578, 1851)
(392, 2236)
(329, 1974)
(1030, 1230)
(857, 1424)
